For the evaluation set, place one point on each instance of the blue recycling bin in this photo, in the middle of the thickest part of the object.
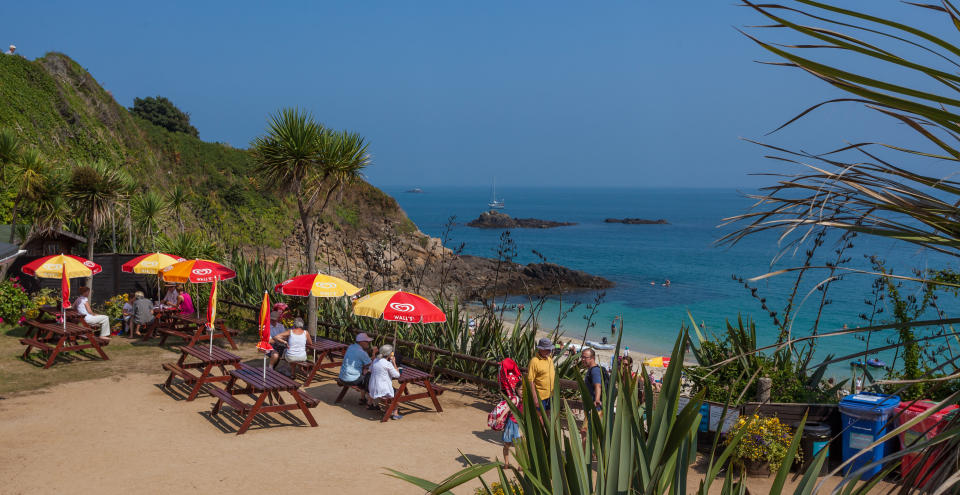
(866, 418)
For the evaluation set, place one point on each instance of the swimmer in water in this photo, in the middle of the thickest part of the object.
(666, 283)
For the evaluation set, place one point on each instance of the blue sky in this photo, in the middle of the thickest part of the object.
(617, 93)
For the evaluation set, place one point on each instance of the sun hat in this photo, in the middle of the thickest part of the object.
(363, 337)
(13, 46)
(274, 315)
(545, 344)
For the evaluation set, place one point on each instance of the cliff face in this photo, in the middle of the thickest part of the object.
(57, 106)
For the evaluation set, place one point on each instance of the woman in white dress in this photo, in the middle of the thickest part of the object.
(382, 373)
(93, 319)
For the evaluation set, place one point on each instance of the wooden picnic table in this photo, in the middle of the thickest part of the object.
(73, 315)
(207, 359)
(323, 348)
(163, 318)
(55, 338)
(262, 388)
(408, 376)
(192, 330)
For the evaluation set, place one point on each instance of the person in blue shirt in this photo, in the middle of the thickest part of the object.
(356, 359)
(593, 379)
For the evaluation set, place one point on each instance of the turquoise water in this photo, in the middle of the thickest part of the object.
(632, 256)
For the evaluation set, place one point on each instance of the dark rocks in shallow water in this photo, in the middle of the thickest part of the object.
(496, 220)
(637, 221)
(485, 277)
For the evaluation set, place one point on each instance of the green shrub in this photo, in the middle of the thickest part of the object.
(162, 112)
(14, 301)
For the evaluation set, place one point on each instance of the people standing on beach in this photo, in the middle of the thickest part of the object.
(510, 378)
(541, 372)
(93, 319)
(593, 379)
(613, 327)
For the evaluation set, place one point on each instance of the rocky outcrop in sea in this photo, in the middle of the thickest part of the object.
(496, 220)
(637, 221)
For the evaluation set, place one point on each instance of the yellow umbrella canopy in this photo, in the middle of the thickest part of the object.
(151, 263)
(317, 285)
(56, 265)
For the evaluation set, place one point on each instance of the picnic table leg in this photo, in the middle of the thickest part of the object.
(253, 412)
(343, 391)
(55, 351)
(95, 342)
(219, 404)
(200, 382)
(433, 395)
(229, 338)
(394, 403)
(183, 358)
(315, 368)
(196, 336)
(303, 407)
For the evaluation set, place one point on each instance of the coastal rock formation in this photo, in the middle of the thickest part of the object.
(637, 221)
(496, 220)
(479, 277)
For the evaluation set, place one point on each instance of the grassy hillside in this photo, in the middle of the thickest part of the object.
(57, 106)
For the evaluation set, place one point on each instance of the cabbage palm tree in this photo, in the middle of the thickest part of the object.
(177, 200)
(94, 189)
(149, 209)
(29, 182)
(9, 151)
(300, 157)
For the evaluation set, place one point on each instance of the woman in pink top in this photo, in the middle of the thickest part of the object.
(185, 302)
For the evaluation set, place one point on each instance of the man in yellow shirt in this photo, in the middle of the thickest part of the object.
(541, 373)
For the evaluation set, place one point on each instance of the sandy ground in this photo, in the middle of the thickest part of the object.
(117, 434)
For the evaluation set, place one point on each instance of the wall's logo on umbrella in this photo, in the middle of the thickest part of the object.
(202, 271)
(53, 266)
(149, 263)
(89, 264)
(402, 307)
(285, 282)
(325, 285)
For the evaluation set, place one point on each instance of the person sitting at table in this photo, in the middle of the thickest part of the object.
(93, 319)
(170, 298)
(276, 328)
(295, 340)
(128, 315)
(356, 359)
(382, 373)
(142, 312)
(184, 302)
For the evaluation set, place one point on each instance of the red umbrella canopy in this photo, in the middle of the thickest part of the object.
(395, 305)
(54, 267)
(197, 271)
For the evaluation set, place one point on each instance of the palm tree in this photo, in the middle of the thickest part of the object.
(94, 189)
(149, 209)
(177, 200)
(29, 182)
(302, 158)
(9, 151)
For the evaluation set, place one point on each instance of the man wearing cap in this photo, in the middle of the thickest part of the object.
(355, 361)
(276, 328)
(11, 50)
(541, 373)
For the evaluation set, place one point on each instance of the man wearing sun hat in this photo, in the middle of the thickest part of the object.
(11, 51)
(541, 372)
(355, 361)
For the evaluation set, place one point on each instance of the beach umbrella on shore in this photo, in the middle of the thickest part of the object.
(199, 271)
(151, 264)
(396, 305)
(64, 267)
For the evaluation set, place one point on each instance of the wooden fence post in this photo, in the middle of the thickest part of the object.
(763, 389)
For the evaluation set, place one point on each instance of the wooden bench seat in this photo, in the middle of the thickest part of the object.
(225, 397)
(308, 399)
(39, 344)
(300, 367)
(184, 375)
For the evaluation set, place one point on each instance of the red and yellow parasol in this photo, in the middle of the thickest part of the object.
(150, 263)
(395, 305)
(317, 285)
(197, 271)
(56, 265)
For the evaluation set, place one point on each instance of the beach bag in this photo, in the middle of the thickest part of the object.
(497, 419)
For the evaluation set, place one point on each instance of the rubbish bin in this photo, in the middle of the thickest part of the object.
(865, 418)
(930, 427)
(815, 437)
(704, 438)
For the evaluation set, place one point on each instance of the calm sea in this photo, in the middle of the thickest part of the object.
(684, 252)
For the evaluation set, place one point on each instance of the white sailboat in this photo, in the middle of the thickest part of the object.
(494, 202)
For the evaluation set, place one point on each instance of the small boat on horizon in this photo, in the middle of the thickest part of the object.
(415, 190)
(494, 202)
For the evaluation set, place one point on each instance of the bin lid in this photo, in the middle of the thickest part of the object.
(814, 428)
(870, 401)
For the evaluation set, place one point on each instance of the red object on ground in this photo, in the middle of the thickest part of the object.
(928, 427)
